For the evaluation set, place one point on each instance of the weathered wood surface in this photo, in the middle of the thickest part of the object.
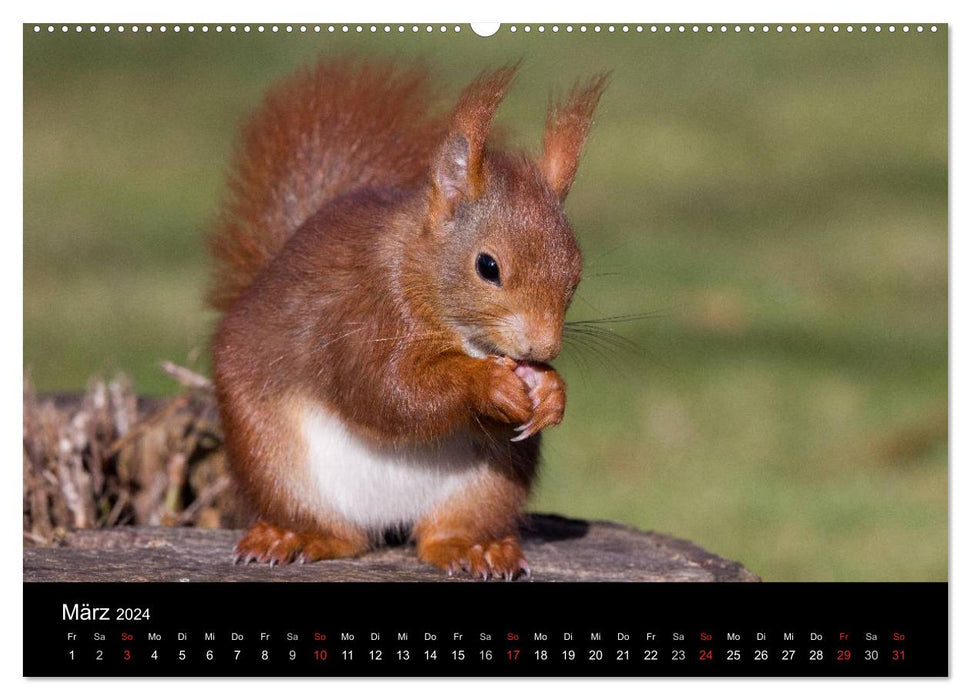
(558, 549)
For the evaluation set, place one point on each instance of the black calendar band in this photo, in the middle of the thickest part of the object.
(485, 629)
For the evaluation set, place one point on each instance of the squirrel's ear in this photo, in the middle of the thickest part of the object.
(453, 180)
(567, 125)
(457, 168)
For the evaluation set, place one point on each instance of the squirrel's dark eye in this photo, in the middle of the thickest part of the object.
(488, 268)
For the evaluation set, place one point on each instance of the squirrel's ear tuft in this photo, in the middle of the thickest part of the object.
(457, 169)
(567, 125)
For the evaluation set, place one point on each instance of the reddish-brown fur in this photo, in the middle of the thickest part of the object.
(346, 271)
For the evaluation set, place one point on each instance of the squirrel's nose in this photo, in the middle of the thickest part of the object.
(544, 347)
(537, 338)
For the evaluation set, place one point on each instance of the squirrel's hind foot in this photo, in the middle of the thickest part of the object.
(265, 543)
(501, 559)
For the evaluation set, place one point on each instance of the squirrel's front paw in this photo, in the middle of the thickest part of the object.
(497, 558)
(505, 396)
(547, 392)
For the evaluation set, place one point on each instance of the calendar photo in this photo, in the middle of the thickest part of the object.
(537, 309)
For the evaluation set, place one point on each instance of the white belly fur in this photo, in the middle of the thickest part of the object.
(378, 488)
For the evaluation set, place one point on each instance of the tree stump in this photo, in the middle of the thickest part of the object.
(558, 549)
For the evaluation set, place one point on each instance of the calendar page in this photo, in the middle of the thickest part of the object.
(538, 349)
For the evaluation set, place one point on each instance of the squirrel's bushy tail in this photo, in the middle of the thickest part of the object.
(327, 130)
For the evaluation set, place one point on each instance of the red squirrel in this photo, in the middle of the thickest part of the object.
(393, 285)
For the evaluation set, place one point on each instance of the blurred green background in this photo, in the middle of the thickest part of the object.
(776, 203)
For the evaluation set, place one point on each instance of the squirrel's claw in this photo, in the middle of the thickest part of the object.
(534, 426)
(523, 430)
(526, 430)
(524, 567)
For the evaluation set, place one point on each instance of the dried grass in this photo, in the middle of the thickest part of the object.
(108, 458)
